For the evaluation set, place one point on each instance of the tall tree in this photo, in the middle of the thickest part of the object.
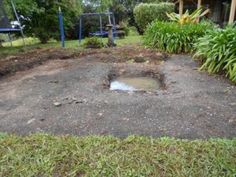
(40, 17)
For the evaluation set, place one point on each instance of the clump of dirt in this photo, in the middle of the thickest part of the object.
(136, 54)
(11, 64)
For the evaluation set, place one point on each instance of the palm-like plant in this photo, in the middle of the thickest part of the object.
(187, 18)
(217, 50)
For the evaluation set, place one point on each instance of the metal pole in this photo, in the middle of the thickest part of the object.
(101, 30)
(100, 18)
(61, 25)
(114, 25)
(18, 19)
(80, 29)
(9, 36)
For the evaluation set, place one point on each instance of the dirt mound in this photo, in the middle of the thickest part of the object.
(133, 54)
(24, 61)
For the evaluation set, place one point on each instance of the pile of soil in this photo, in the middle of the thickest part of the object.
(24, 61)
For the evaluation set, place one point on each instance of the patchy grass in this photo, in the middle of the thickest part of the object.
(32, 43)
(46, 155)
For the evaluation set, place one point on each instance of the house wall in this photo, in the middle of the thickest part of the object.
(220, 9)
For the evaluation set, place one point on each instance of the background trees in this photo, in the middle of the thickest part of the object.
(40, 19)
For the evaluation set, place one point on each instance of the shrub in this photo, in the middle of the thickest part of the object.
(125, 27)
(187, 17)
(172, 37)
(145, 13)
(93, 42)
(133, 31)
(217, 49)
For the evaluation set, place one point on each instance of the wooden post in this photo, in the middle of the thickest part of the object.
(199, 4)
(232, 11)
(181, 7)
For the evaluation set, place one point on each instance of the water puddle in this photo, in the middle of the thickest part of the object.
(135, 84)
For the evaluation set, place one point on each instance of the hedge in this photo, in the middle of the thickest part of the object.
(145, 13)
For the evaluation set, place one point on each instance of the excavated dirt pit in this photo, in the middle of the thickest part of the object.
(135, 84)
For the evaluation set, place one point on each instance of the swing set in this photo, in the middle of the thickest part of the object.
(101, 33)
(5, 25)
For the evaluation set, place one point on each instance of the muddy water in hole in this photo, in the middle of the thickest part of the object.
(135, 84)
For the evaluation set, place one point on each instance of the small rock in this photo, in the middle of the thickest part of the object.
(232, 121)
(74, 99)
(232, 104)
(100, 114)
(66, 98)
(54, 82)
(57, 104)
(70, 102)
(125, 119)
(11, 58)
(30, 121)
(79, 101)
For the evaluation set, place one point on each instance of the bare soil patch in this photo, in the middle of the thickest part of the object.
(69, 95)
(24, 61)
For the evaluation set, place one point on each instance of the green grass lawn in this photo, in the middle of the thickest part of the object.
(45, 155)
(32, 43)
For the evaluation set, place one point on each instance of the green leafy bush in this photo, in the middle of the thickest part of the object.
(217, 49)
(172, 37)
(145, 13)
(188, 17)
(93, 42)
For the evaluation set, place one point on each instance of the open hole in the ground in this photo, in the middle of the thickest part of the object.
(143, 81)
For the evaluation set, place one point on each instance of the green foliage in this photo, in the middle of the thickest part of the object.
(122, 9)
(145, 13)
(217, 49)
(41, 17)
(172, 37)
(45, 155)
(98, 5)
(187, 17)
(93, 42)
(124, 26)
(133, 31)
